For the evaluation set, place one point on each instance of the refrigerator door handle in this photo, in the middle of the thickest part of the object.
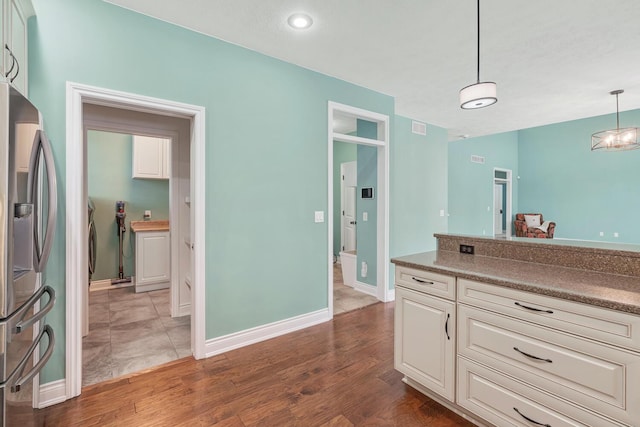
(16, 384)
(23, 323)
(42, 147)
(21, 311)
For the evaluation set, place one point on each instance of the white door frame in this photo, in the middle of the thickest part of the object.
(76, 213)
(507, 181)
(383, 292)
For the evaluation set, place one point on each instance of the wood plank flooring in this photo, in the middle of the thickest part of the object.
(336, 374)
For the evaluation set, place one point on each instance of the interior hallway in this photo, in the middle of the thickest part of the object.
(345, 298)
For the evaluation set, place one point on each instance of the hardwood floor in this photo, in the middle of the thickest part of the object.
(336, 374)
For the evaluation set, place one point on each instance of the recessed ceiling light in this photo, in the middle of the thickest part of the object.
(300, 21)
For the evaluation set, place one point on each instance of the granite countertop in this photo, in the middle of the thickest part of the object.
(611, 291)
(140, 226)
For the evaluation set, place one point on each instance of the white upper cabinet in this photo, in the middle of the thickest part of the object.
(151, 157)
(14, 15)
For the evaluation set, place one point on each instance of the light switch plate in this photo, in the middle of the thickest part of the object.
(319, 216)
(365, 216)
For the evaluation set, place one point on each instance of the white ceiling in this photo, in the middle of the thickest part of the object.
(553, 60)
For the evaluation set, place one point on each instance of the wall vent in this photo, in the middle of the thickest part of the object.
(477, 159)
(419, 128)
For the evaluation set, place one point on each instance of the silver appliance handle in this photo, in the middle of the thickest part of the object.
(16, 384)
(23, 323)
(42, 146)
(93, 247)
(22, 311)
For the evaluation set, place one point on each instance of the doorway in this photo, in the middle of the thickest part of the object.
(502, 203)
(372, 260)
(81, 98)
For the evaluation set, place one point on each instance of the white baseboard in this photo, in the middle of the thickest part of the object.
(101, 285)
(52, 393)
(184, 310)
(391, 295)
(366, 289)
(264, 332)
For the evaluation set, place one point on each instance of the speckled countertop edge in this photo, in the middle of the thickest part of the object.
(615, 292)
(608, 248)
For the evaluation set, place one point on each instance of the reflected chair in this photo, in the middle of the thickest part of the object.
(534, 227)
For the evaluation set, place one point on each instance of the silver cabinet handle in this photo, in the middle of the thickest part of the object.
(422, 281)
(532, 308)
(530, 356)
(446, 326)
(530, 420)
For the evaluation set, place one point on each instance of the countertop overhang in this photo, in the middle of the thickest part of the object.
(616, 292)
(156, 225)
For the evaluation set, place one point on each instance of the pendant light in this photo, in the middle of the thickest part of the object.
(480, 94)
(616, 139)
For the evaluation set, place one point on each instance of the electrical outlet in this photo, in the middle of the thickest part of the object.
(466, 249)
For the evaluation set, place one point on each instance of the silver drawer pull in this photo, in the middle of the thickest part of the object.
(530, 420)
(422, 281)
(532, 308)
(530, 356)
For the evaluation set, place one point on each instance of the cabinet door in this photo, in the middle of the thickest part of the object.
(153, 260)
(149, 157)
(424, 340)
(17, 35)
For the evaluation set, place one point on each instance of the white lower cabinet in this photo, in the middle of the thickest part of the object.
(519, 358)
(425, 340)
(153, 260)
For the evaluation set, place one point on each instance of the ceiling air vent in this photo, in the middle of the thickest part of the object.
(419, 128)
(477, 159)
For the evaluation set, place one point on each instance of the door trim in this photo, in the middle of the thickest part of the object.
(76, 213)
(509, 202)
(382, 273)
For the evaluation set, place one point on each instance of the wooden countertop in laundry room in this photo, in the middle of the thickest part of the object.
(156, 225)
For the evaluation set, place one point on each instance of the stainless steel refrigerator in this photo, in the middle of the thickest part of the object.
(27, 224)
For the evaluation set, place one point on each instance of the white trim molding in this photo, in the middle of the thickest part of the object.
(52, 393)
(382, 291)
(76, 212)
(366, 288)
(264, 332)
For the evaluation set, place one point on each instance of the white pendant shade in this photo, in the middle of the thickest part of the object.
(478, 95)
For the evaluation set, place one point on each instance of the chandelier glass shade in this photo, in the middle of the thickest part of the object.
(618, 139)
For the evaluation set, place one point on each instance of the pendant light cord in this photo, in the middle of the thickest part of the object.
(617, 113)
(479, 42)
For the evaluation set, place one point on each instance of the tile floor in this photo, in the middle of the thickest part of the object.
(345, 298)
(130, 332)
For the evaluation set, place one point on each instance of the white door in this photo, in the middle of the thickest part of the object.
(497, 209)
(348, 205)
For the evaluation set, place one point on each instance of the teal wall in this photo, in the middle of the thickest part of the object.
(265, 120)
(109, 175)
(471, 184)
(419, 184)
(367, 231)
(342, 152)
(583, 191)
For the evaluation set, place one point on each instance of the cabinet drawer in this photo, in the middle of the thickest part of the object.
(597, 323)
(504, 401)
(427, 282)
(594, 375)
